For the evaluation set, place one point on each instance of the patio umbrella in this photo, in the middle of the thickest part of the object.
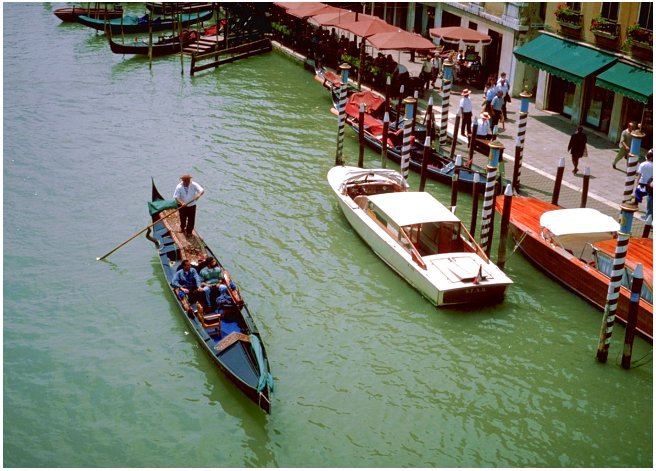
(400, 41)
(286, 5)
(458, 34)
(368, 26)
(336, 18)
(307, 9)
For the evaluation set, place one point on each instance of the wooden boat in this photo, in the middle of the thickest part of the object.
(163, 46)
(576, 247)
(71, 13)
(168, 8)
(419, 238)
(440, 166)
(231, 337)
(131, 24)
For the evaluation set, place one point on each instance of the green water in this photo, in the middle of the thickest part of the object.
(99, 370)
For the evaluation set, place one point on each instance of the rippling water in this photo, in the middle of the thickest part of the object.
(98, 367)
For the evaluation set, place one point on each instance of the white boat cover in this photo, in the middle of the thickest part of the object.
(577, 221)
(413, 207)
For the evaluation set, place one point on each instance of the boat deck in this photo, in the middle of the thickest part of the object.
(204, 44)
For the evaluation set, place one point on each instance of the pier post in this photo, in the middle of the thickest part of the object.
(398, 121)
(475, 196)
(487, 228)
(361, 136)
(632, 164)
(471, 147)
(521, 134)
(447, 76)
(424, 163)
(388, 91)
(647, 229)
(503, 231)
(586, 186)
(632, 320)
(516, 166)
(383, 151)
(626, 220)
(407, 134)
(341, 109)
(454, 181)
(559, 180)
(414, 113)
(454, 141)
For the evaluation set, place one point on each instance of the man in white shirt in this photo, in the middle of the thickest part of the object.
(187, 193)
(483, 130)
(644, 182)
(504, 86)
(466, 108)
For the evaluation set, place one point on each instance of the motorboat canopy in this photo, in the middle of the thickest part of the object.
(413, 207)
(578, 221)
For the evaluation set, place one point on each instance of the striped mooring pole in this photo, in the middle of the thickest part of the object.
(632, 164)
(521, 134)
(447, 76)
(496, 148)
(341, 109)
(407, 134)
(626, 221)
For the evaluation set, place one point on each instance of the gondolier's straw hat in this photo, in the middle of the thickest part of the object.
(465, 92)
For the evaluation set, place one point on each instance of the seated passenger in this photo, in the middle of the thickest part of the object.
(224, 300)
(186, 285)
(211, 277)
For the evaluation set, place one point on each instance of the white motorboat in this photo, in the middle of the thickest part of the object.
(417, 236)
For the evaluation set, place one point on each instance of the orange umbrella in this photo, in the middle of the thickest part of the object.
(456, 34)
(368, 27)
(400, 41)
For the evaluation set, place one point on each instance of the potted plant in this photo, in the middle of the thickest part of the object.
(640, 41)
(606, 32)
(570, 21)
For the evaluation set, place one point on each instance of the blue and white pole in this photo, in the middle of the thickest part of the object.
(341, 109)
(447, 76)
(407, 134)
(521, 134)
(496, 149)
(617, 271)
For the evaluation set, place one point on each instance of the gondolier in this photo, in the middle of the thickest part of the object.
(187, 193)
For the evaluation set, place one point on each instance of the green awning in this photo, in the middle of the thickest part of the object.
(562, 58)
(628, 80)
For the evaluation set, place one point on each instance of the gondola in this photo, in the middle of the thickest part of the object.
(440, 166)
(168, 8)
(131, 24)
(228, 335)
(69, 14)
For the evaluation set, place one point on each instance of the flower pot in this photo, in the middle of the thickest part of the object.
(606, 40)
(642, 51)
(570, 30)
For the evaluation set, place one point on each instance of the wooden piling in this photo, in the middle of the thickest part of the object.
(586, 186)
(503, 232)
(361, 136)
(475, 196)
(383, 151)
(559, 181)
(454, 181)
(632, 320)
(647, 229)
(454, 141)
(472, 143)
(516, 166)
(424, 163)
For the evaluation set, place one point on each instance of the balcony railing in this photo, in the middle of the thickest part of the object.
(605, 27)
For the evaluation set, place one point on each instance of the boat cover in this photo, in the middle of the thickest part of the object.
(412, 207)
(577, 221)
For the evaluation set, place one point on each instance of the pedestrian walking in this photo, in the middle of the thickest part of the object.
(497, 109)
(467, 109)
(645, 183)
(624, 144)
(504, 86)
(577, 147)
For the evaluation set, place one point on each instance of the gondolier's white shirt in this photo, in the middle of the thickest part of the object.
(466, 104)
(187, 194)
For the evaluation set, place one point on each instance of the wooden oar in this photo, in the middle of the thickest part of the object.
(140, 232)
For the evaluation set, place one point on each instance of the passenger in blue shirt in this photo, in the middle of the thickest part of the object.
(186, 284)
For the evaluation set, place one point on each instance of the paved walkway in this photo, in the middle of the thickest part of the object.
(546, 139)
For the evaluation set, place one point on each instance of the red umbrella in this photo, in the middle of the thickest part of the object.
(368, 27)
(400, 41)
(307, 9)
(337, 18)
(456, 34)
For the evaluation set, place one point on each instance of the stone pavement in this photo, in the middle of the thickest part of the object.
(546, 139)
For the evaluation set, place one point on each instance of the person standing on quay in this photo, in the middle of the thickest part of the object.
(466, 107)
(187, 193)
(577, 147)
(625, 143)
(645, 183)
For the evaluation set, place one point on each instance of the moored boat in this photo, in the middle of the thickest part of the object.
(163, 46)
(71, 13)
(576, 247)
(418, 237)
(132, 24)
(168, 8)
(227, 333)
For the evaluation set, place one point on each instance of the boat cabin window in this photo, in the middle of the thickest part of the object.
(604, 264)
(433, 238)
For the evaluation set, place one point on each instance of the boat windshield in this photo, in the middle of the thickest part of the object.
(604, 264)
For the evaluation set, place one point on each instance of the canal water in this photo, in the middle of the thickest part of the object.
(99, 370)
